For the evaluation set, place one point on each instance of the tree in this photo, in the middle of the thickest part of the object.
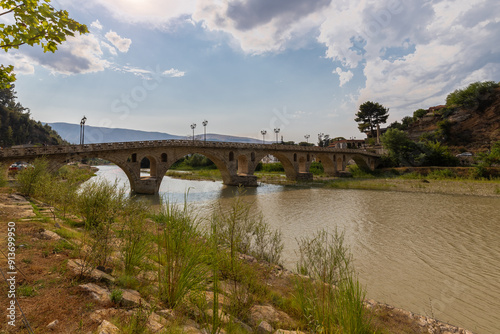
(419, 113)
(36, 22)
(476, 95)
(401, 148)
(370, 116)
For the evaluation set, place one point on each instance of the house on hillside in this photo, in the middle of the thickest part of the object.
(348, 143)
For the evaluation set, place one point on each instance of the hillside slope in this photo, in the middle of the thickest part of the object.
(470, 129)
(17, 127)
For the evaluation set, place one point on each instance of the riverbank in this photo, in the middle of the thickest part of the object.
(405, 183)
(49, 262)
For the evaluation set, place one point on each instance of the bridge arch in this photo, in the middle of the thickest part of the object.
(218, 161)
(363, 162)
(328, 162)
(288, 166)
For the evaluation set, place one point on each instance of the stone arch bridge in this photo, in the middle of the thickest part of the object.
(236, 161)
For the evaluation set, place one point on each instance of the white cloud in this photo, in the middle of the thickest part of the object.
(344, 77)
(173, 73)
(22, 64)
(157, 13)
(261, 26)
(122, 44)
(79, 54)
(110, 48)
(96, 24)
(442, 45)
(412, 53)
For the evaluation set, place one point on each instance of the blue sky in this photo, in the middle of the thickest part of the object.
(249, 65)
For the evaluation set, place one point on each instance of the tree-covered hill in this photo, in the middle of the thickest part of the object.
(470, 120)
(17, 127)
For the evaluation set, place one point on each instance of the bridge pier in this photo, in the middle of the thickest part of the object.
(242, 180)
(146, 185)
(304, 176)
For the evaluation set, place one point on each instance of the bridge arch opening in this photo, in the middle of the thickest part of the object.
(288, 166)
(164, 157)
(327, 162)
(362, 163)
(199, 159)
(149, 162)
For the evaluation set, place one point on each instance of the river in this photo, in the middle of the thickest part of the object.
(435, 255)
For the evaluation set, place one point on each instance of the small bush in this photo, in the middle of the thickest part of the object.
(116, 296)
(316, 168)
(441, 174)
(31, 178)
(270, 167)
(358, 172)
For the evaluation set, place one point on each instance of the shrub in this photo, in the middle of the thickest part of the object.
(31, 178)
(358, 172)
(270, 167)
(316, 168)
(116, 296)
(441, 174)
(99, 203)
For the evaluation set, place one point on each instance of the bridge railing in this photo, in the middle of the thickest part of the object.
(75, 149)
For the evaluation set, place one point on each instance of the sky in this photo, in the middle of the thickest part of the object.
(303, 66)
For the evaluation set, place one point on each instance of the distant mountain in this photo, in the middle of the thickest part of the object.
(94, 134)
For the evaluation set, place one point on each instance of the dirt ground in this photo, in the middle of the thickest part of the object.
(45, 290)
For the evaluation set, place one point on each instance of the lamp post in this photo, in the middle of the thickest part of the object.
(307, 138)
(276, 131)
(263, 133)
(205, 122)
(193, 126)
(82, 130)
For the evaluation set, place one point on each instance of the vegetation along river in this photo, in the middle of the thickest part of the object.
(432, 254)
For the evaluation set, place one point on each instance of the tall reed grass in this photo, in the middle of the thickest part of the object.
(331, 299)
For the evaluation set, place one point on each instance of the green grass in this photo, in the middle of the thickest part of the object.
(67, 234)
(26, 291)
(202, 174)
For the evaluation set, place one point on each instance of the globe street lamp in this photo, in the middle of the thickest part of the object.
(307, 138)
(263, 132)
(276, 131)
(193, 126)
(205, 122)
(82, 130)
